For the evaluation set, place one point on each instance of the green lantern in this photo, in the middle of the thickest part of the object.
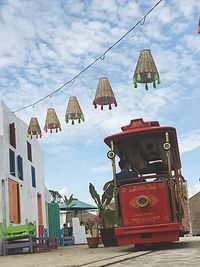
(73, 111)
(146, 71)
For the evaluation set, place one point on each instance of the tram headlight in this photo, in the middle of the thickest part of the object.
(142, 201)
(167, 146)
(111, 154)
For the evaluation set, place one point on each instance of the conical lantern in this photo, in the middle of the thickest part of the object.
(73, 111)
(199, 26)
(104, 94)
(34, 128)
(52, 121)
(146, 71)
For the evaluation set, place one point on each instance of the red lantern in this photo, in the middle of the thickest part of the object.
(104, 94)
(34, 128)
(52, 121)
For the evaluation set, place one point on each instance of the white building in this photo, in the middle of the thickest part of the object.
(22, 190)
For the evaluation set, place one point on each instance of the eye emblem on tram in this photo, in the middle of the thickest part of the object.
(167, 146)
(111, 154)
(142, 201)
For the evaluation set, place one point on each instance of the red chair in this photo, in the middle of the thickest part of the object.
(53, 242)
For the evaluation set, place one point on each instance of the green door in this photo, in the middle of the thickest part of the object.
(54, 220)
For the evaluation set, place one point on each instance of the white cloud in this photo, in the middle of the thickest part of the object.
(193, 190)
(192, 43)
(189, 141)
(63, 191)
(187, 8)
(179, 27)
(89, 142)
(82, 37)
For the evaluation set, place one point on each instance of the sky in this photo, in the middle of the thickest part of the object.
(44, 44)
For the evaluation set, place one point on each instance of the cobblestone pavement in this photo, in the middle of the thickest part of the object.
(183, 253)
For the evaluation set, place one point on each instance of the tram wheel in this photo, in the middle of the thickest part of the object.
(162, 245)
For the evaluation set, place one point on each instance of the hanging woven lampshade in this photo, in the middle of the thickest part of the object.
(146, 71)
(104, 94)
(34, 128)
(52, 121)
(73, 111)
(199, 26)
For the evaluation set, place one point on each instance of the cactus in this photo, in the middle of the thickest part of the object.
(105, 213)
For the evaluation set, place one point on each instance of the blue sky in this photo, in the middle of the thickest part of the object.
(43, 44)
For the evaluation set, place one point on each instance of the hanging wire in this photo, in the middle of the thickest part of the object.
(97, 59)
(143, 39)
(73, 81)
(33, 110)
(51, 101)
(102, 59)
(142, 24)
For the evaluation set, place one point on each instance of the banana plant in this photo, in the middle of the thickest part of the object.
(105, 213)
(69, 205)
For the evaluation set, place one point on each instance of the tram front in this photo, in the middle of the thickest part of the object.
(152, 207)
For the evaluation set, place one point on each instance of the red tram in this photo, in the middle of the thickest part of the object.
(155, 210)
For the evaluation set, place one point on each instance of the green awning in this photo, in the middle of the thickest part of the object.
(77, 205)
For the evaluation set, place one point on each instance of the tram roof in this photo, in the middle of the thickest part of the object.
(142, 144)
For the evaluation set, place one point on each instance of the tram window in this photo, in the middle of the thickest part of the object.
(149, 146)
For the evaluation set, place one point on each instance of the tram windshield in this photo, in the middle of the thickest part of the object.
(142, 144)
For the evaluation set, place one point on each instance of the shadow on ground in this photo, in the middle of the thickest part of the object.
(162, 246)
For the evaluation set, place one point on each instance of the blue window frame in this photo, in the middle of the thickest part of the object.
(12, 135)
(33, 176)
(29, 151)
(20, 167)
(12, 162)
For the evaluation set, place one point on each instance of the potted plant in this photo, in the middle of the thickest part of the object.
(99, 224)
(106, 214)
(94, 227)
(93, 240)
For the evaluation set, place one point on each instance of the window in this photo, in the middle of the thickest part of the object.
(29, 152)
(33, 176)
(20, 167)
(12, 135)
(12, 162)
(14, 201)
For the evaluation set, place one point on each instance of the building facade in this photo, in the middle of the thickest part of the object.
(22, 189)
(194, 203)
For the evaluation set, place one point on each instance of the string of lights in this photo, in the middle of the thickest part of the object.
(101, 57)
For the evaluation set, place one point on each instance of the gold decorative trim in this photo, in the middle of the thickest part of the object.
(152, 201)
(123, 190)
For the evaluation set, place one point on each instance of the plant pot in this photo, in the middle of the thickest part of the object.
(108, 237)
(93, 242)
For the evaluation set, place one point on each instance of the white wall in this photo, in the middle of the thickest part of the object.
(28, 194)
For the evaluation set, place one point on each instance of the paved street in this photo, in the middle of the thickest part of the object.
(183, 253)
